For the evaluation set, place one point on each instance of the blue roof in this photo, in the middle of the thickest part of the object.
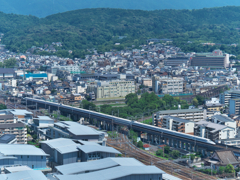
(30, 175)
(35, 75)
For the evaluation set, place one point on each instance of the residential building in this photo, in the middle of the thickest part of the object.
(176, 61)
(76, 97)
(74, 130)
(213, 105)
(227, 95)
(109, 168)
(7, 73)
(176, 124)
(112, 89)
(188, 114)
(213, 131)
(167, 86)
(223, 120)
(147, 82)
(17, 129)
(234, 106)
(22, 154)
(215, 59)
(66, 151)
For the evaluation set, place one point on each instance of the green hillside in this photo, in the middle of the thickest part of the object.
(42, 8)
(99, 28)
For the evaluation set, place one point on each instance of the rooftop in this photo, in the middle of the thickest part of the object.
(29, 175)
(98, 148)
(214, 126)
(177, 119)
(113, 173)
(6, 138)
(78, 129)
(180, 111)
(21, 149)
(45, 118)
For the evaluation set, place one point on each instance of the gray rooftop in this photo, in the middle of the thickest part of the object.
(78, 129)
(81, 167)
(177, 119)
(113, 173)
(214, 126)
(18, 168)
(62, 145)
(21, 149)
(29, 175)
(45, 118)
(180, 111)
(223, 118)
(94, 148)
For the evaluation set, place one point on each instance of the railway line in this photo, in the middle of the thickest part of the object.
(180, 171)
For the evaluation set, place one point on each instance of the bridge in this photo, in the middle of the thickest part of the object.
(155, 135)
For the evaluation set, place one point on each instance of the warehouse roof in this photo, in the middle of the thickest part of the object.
(18, 168)
(82, 167)
(93, 148)
(78, 129)
(62, 145)
(113, 173)
(29, 175)
(21, 149)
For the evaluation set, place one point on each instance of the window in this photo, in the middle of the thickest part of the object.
(41, 157)
(21, 157)
(32, 166)
(27, 156)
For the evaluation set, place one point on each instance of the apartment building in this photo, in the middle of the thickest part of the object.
(234, 106)
(112, 89)
(213, 131)
(227, 95)
(176, 124)
(176, 61)
(214, 59)
(167, 85)
(188, 114)
(223, 120)
(17, 129)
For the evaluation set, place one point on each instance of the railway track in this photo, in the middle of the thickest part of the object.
(180, 171)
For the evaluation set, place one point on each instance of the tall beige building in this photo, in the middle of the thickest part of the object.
(112, 89)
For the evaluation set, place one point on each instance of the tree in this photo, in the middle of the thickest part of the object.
(195, 102)
(229, 168)
(221, 170)
(175, 153)
(167, 149)
(140, 144)
(2, 106)
(10, 63)
(88, 105)
(159, 152)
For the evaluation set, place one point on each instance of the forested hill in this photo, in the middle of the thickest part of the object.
(42, 8)
(100, 28)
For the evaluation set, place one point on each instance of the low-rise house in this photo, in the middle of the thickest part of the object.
(222, 158)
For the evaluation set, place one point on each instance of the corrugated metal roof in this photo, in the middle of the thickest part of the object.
(18, 168)
(21, 149)
(113, 173)
(93, 148)
(29, 175)
(81, 167)
(62, 145)
(78, 129)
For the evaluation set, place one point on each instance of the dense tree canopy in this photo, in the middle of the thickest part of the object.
(100, 28)
(148, 103)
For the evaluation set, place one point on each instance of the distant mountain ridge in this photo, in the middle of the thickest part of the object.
(42, 8)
